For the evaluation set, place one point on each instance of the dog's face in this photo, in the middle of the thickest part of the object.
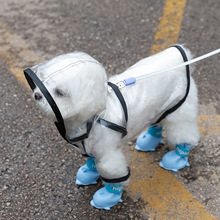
(61, 96)
(77, 83)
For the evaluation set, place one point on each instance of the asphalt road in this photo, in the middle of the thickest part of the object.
(37, 167)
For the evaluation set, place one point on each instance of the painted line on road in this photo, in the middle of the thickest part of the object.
(169, 27)
(15, 52)
(164, 196)
(209, 125)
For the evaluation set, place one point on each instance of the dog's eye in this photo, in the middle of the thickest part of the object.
(59, 93)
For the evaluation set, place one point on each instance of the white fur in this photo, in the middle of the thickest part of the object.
(85, 88)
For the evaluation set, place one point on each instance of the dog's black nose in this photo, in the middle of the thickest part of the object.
(37, 96)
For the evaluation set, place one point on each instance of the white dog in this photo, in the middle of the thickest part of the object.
(97, 116)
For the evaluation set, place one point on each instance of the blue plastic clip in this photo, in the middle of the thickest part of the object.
(129, 81)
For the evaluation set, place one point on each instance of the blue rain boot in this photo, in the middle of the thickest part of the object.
(176, 159)
(150, 139)
(87, 174)
(107, 196)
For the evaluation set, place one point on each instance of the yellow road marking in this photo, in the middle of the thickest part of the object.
(16, 53)
(169, 26)
(209, 125)
(164, 196)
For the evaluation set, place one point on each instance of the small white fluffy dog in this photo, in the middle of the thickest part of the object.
(78, 85)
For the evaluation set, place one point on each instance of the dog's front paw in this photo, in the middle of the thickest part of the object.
(107, 197)
(86, 176)
(172, 161)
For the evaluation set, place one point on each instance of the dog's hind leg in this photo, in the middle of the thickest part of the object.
(182, 131)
